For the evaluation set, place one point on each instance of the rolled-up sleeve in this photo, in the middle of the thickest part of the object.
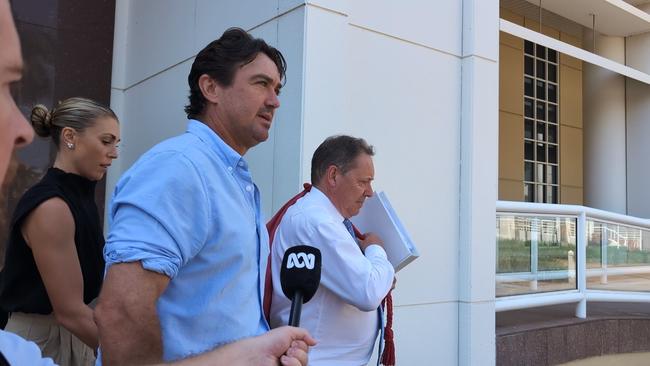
(159, 215)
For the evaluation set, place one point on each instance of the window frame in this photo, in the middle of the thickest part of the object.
(542, 188)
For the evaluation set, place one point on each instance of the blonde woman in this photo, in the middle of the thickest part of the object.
(54, 264)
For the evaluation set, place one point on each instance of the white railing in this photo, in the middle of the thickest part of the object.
(580, 295)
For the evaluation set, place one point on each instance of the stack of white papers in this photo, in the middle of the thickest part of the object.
(377, 216)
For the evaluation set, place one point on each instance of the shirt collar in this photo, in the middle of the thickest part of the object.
(319, 196)
(226, 153)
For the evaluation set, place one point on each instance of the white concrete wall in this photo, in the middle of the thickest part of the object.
(605, 181)
(418, 79)
(401, 75)
(399, 88)
(155, 44)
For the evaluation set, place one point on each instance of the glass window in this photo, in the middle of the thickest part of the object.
(528, 169)
(540, 70)
(528, 108)
(552, 113)
(552, 174)
(528, 128)
(528, 87)
(540, 172)
(529, 47)
(550, 193)
(541, 90)
(529, 151)
(552, 133)
(552, 93)
(541, 131)
(541, 153)
(541, 136)
(541, 111)
(552, 154)
(552, 73)
(529, 193)
(529, 66)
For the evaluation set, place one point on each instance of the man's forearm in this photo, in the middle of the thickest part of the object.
(126, 315)
(234, 354)
(287, 346)
(129, 340)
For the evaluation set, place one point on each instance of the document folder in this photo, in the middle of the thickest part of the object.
(378, 216)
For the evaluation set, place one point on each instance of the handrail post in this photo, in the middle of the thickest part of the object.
(603, 253)
(534, 251)
(581, 266)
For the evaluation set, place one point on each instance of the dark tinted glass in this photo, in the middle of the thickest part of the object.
(528, 87)
(529, 128)
(529, 47)
(540, 70)
(529, 66)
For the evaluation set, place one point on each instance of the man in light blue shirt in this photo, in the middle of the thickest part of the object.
(187, 248)
(287, 346)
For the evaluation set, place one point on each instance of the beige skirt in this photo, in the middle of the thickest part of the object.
(52, 338)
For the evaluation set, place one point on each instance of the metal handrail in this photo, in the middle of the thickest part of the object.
(581, 294)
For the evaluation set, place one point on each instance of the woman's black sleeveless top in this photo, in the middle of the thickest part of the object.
(21, 286)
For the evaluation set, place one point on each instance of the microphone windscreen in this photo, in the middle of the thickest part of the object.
(300, 271)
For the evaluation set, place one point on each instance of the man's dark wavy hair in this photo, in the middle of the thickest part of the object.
(221, 58)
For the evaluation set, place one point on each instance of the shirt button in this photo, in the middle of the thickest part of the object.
(249, 188)
(241, 163)
(230, 169)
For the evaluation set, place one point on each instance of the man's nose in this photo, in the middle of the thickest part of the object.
(369, 190)
(24, 132)
(273, 101)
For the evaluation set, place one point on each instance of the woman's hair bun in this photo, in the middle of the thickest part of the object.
(41, 120)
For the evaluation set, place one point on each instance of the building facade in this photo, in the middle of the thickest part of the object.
(467, 102)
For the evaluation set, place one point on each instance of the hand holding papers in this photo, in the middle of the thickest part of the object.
(377, 216)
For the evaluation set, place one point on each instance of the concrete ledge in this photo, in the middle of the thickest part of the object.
(552, 336)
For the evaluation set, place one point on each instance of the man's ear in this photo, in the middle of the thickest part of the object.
(332, 175)
(210, 89)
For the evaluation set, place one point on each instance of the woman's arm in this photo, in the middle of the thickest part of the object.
(49, 231)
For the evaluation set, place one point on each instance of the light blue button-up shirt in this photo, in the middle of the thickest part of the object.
(18, 351)
(188, 209)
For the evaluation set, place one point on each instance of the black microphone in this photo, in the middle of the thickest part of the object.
(300, 277)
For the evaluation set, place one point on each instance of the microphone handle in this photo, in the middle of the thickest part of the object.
(296, 308)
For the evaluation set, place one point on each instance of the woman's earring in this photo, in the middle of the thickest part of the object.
(70, 145)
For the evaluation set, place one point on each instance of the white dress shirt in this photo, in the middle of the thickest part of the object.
(342, 315)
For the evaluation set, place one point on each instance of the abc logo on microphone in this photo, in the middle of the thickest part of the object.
(301, 260)
(300, 271)
(300, 277)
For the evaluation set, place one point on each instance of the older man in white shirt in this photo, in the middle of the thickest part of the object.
(355, 275)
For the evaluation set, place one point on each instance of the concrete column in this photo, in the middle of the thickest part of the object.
(478, 182)
(604, 127)
(638, 125)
